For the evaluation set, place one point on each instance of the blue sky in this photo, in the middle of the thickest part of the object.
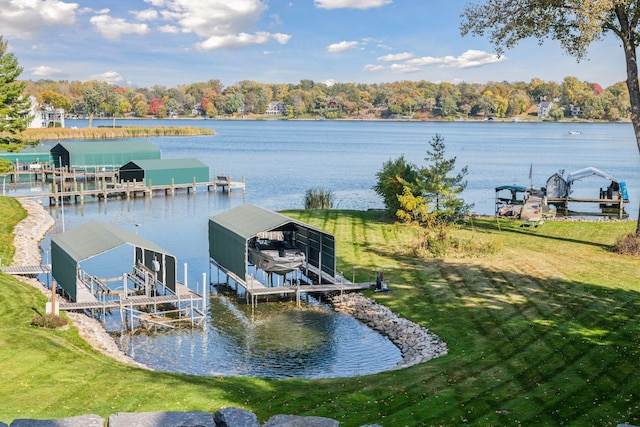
(142, 43)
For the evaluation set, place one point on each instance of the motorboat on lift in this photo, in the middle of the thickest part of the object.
(275, 255)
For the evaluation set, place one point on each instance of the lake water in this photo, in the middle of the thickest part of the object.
(280, 160)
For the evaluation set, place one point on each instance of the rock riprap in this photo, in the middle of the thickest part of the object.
(416, 343)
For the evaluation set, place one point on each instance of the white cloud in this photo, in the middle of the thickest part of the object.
(373, 67)
(469, 59)
(47, 71)
(396, 57)
(145, 15)
(351, 4)
(112, 28)
(222, 24)
(169, 29)
(24, 19)
(281, 38)
(111, 77)
(403, 68)
(235, 41)
(342, 46)
(208, 18)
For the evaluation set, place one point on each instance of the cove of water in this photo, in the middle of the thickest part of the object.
(280, 160)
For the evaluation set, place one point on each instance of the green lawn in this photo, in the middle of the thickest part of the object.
(544, 332)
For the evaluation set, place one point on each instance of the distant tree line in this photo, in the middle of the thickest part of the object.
(308, 99)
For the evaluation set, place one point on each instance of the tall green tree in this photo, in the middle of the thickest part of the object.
(574, 23)
(14, 107)
(98, 97)
(440, 186)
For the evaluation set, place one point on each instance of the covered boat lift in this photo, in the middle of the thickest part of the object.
(152, 282)
(611, 199)
(230, 236)
(110, 155)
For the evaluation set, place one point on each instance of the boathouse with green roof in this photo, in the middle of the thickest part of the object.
(165, 171)
(231, 231)
(87, 155)
(94, 238)
(28, 156)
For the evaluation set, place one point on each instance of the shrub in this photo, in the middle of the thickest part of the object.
(50, 321)
(627, 244)
(318, 198)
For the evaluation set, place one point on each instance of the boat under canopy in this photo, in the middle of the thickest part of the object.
(510, 199)
(275, 252)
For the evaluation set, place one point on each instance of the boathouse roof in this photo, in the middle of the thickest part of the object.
(102, 153)
(39, 154)
(230, 231)
(165, 171)
(94, 238)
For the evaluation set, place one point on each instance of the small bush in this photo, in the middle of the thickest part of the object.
(50, 321)
(318, 198)
(627, 244)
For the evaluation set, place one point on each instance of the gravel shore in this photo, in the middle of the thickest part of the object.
(28, 234)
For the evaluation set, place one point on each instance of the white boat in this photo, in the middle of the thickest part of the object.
(575, 132)
(275, 256)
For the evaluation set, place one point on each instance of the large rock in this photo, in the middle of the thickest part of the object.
(235, 417)
(162, 419)
(79, 421)
(298, 421)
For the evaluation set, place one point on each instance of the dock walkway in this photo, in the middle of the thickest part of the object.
(26, 270)
(127, 190)
(254, 288)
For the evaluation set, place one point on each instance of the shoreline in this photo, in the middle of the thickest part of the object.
(28, 234)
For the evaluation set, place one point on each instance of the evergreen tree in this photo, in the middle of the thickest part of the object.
(392, 178)
(14, 107)
(440, 190)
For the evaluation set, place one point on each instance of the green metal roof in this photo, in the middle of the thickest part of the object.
(165, 171)
(28, 155)
(91, 239)
(168, 164)
(248, 220)
(97, 153)
(230, 231)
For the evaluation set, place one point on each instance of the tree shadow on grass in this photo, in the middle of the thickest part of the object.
(516, 227)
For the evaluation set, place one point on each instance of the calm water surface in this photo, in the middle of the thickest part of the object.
(280, 160)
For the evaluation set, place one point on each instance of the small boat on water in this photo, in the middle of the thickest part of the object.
(275, 255)
(575, 132)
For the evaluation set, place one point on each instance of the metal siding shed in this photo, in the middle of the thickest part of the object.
(161, 171)
(230, 231)
(28, 155)
(95, 238)
(102, 153)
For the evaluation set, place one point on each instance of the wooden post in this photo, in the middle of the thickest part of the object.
(204, 293)
(53, 307)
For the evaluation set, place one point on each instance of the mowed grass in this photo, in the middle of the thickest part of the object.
(544, 332)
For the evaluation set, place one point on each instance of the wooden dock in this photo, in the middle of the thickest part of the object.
(78, 193)
(254, 289)
(608, 207)
(26, 270)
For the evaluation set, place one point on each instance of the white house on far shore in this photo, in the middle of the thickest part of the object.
(44, 115)
(276, 108)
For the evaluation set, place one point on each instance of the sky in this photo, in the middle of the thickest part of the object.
(142, 43)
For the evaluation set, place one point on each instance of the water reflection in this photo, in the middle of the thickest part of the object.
(274, 340)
